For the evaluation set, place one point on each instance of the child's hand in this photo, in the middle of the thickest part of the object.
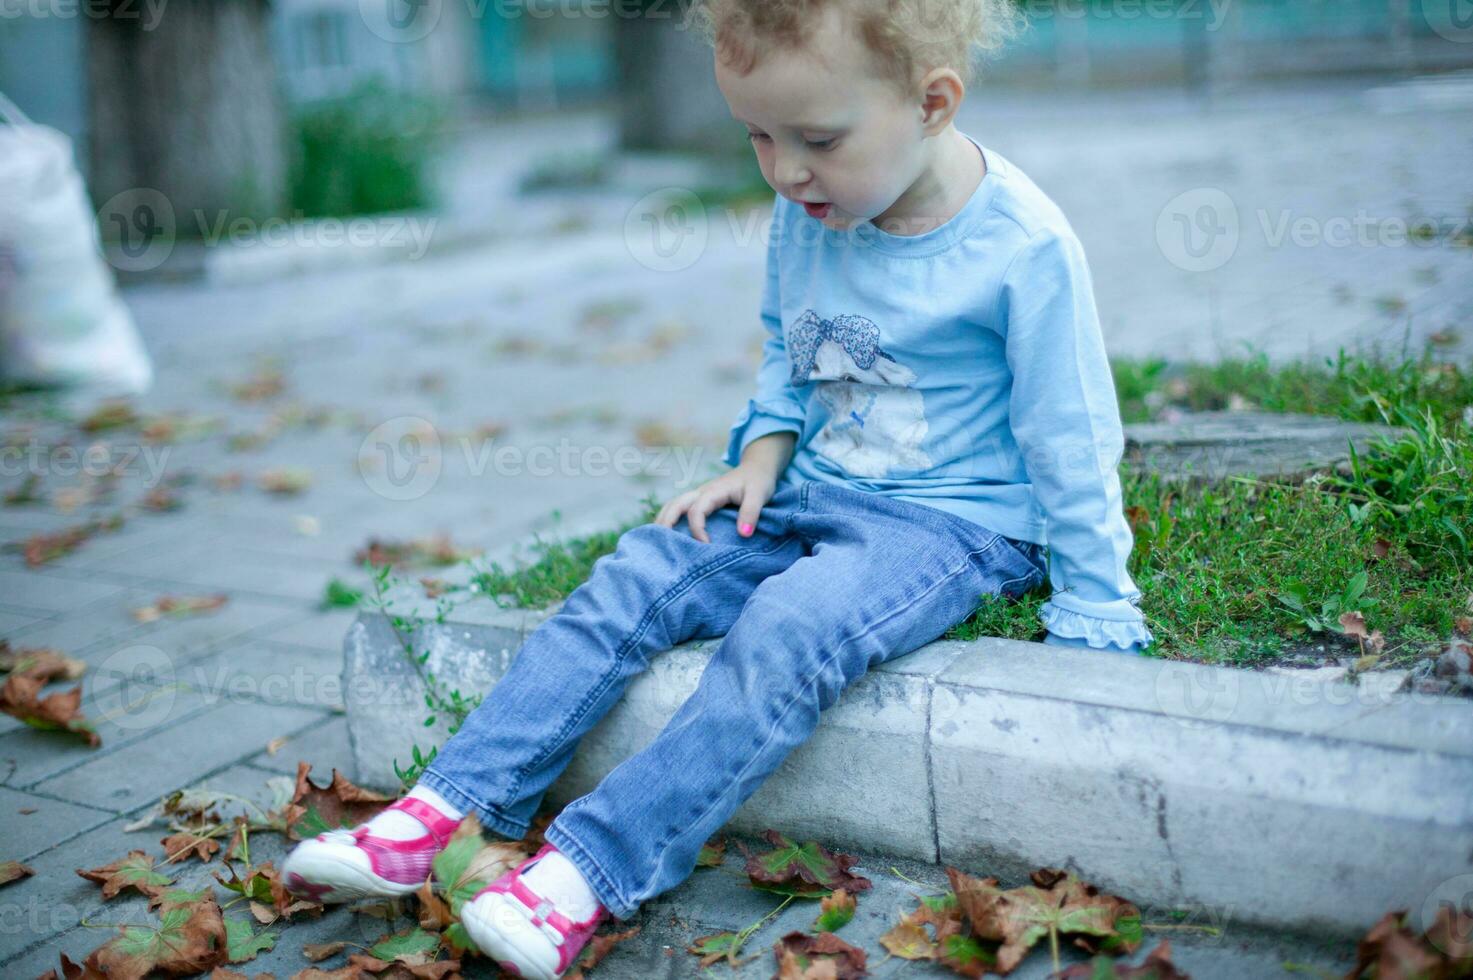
(748, 488)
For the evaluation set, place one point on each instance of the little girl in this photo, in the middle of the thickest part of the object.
(933, 405)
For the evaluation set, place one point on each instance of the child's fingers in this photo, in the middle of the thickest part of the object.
(747, 514)
(704, 504)
(672, 510)
(696, 516)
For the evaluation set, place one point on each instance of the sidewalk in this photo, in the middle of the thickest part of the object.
(563, 351)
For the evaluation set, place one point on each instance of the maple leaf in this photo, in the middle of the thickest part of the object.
(71, 970)
(29, 492)
(1396, 952)
(189, 939)
(39, 549)
(317, 952)
(179, 847)
(1156, 966)
(42, 662)
(166, 897)
(718, 946)
(434, 913)
(285, 480)
(412, 947)
(1057, 903)
(180, 606)
(712, 853)
(111, 414)
(239, 848)
(314, 810)
(263, 886)
(468, 862)
(804, 870)
(161, 500)
(243, 943)
(133, 871)
(55, 712)
(803, 956)
(837, 910)
(951, 945)
(437, 550)
(597, 948)
(266, 383)
(14, 871)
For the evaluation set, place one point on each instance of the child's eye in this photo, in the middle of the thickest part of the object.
(756, 137)
(827, 144)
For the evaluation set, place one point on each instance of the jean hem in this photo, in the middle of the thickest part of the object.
(601, 884)
(466, 803)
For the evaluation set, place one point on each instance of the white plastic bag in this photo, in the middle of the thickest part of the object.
(61, 319)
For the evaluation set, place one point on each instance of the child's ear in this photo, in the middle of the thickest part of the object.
(942, 92)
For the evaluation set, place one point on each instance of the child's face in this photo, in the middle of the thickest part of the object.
(826, 129)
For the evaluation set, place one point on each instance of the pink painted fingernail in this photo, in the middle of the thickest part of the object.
(746, 529)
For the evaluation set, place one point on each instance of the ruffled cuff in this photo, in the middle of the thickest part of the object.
(753, 424)
(1098, 624)
(1055, 640)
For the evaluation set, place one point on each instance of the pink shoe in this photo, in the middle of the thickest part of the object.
(522, 931)
(343, 865)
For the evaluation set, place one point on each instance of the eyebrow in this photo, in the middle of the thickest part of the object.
(800, 126)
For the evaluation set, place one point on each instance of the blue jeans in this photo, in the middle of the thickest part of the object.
(833, 582)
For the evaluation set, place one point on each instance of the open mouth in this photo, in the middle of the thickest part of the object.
(818, 210)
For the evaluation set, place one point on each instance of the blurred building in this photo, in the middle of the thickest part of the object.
(517, 55)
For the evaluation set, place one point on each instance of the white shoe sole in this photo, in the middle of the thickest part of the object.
(342, 867)
(501, 931)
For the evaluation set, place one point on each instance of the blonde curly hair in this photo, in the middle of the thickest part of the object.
(907, 37)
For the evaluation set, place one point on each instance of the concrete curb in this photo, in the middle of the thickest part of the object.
(1272, 800)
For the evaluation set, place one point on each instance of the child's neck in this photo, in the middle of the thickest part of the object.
(944, 186)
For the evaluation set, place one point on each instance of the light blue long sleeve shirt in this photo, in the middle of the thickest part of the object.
(962, 369)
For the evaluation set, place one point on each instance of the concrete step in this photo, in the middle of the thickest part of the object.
(1295, 805)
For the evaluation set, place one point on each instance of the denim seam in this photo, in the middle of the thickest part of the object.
(573, 850)
(681, 585)
(487, 810)
(838, 647)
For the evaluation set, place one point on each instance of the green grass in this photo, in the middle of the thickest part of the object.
(367, 152)
(1240, 571)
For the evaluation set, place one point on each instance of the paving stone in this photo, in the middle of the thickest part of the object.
(12, 623)
(122, 713)
(198, 745)
(191, 637)
(108, 620)
(52, 594)
(246, 570)
(277, 675)
(53, 821)
(323, 631)
(56, 898)
(325, 747)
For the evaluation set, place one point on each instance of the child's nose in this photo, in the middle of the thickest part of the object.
(790, 172)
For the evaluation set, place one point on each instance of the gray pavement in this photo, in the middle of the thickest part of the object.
(535, 357)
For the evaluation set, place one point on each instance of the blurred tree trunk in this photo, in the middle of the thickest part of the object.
(188, 106)
(667, 83)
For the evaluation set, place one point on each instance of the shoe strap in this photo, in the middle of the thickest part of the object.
(439, 825)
